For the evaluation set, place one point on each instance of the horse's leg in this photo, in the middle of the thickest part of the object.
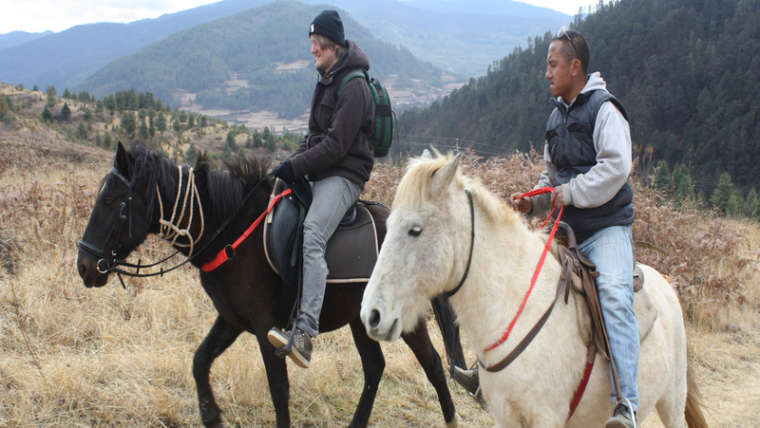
(277, 377)
(221, 336)
(373, 364)
(419, 342)
(446, 318)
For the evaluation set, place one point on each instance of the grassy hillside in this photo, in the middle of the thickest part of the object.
(76, 357)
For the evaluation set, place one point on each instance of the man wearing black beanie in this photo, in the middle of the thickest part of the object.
(336, 158)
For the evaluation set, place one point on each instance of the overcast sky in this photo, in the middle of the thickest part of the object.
(57, 15)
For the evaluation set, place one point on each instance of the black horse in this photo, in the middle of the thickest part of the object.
(138, 197)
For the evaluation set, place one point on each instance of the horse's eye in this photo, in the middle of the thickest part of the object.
(415, 230)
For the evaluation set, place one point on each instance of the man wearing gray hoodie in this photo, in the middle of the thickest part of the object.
(588, 161)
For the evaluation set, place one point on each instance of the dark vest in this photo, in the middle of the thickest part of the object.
(569, 135)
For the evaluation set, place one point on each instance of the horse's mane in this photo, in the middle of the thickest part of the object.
(225, 189)
(414, 188)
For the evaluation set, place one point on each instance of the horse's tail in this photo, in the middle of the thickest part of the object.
(693, 411)
(446, 318)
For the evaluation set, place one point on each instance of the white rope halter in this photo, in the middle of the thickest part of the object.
(171, 231)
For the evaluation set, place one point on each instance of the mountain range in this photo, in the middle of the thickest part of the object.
(454, 36)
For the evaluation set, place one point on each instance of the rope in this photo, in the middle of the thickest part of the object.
(168, 229)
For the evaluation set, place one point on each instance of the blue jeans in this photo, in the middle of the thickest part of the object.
(331, 198)
(611, 250)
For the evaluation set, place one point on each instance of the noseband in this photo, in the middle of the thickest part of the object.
(450, 293)
(125, 213)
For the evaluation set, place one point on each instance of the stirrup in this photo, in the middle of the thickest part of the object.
(470, 381)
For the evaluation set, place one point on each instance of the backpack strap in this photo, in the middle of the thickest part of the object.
(350, 76)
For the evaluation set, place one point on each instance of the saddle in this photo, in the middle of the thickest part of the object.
(582, 275)
(351, 251)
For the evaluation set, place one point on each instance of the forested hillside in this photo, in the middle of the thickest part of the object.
(255, 60)
(684, 69)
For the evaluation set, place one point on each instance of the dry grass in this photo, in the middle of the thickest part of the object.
(77, 357)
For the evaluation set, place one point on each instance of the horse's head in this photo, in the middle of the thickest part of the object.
(120, 219)
(425, 250)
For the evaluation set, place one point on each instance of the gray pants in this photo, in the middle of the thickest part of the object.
(332, 197)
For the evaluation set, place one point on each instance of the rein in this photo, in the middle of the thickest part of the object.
(536, 271)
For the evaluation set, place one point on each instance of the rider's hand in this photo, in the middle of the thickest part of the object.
(524, 205)
(285, 171)
(557, 198)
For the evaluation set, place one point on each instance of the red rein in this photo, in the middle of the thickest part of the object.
(538, 266)
(223, 254)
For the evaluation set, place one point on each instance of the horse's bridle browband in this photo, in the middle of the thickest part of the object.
(450, 293)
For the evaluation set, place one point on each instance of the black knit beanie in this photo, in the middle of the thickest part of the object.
(328, 24)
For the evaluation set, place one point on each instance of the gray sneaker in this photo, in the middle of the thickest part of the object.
(300, 352)
(623, 417)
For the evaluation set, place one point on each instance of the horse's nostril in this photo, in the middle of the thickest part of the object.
(82, 269)
(374, 318)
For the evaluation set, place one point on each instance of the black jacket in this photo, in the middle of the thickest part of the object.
(337, 142)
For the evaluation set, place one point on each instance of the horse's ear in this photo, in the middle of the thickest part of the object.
(443, 177)
(426, 155)
(122, 160)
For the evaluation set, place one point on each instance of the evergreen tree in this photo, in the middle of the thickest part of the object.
(204, 122)
(107, 143)
(735, 204)
(191, 121)
(65, 112)
(662, 177)
(36, 88)
(723, 193)
(230, 142)
(144, 132)
(752, 205)
(46, 115)
(81, 131)
(161, 122)
(191, 154)
(52, 96)
(129, 123)
(66, 93)
(98, 140)
(683, 185)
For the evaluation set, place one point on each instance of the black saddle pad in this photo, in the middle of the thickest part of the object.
(351, 251)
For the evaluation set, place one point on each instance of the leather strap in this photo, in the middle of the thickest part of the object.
(562, 285)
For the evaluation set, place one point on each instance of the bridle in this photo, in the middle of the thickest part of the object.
(452, 292)
(168, 229)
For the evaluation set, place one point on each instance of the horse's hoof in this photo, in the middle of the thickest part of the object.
(453, 423)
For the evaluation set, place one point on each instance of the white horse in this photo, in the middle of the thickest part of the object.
(426, 253)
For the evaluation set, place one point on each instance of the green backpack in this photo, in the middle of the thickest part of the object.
(382, 136)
